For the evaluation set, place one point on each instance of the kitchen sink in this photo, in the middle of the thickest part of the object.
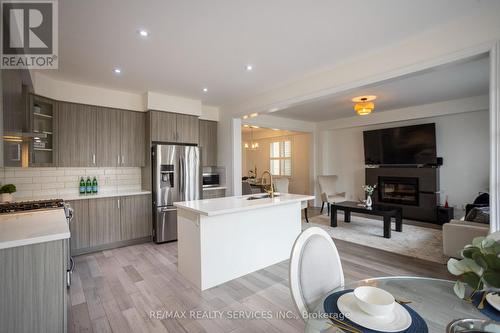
(264, 196)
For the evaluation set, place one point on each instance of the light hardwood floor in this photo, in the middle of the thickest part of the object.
(115, 290)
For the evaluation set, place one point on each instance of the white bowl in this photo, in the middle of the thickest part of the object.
(374, 301)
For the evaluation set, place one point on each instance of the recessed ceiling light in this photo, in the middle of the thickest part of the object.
(249, 68)
(255, 114)
(117, 70)
(246, 126)
(143, 33)
(273, 109)
(245, 117)
(275, 129)
(205, 89)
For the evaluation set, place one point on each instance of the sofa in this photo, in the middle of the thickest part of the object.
(458, 233)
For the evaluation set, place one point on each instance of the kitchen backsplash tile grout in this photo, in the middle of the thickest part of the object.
(33, 182)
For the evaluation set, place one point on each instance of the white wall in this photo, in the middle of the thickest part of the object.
(301, 157)
(462, 141)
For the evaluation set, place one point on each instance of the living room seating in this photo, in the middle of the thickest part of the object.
(327, 188)
(458, 233)
(315, 269)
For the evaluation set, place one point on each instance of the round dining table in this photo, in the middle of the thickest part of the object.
(433, 299)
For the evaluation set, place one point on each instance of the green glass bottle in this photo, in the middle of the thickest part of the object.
(94, 185)
(88, 185)
(83, 187)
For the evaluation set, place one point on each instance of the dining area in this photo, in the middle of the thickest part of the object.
(407, 304)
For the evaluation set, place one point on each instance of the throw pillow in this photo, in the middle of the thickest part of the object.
(479, 215)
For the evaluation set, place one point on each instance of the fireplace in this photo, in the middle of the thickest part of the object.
(398, 190)
(415, 190)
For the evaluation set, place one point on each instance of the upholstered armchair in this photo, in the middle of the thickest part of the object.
(327, 188)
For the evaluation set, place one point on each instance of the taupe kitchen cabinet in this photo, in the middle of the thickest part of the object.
(108, 137)
(163, 126)
(187, 129)
(174, 128)
(104, 221)
(133, 139)
(76, 135)
(99, 136)
(79, 225)
(33, 294)
(100, 223)
(135, 217)
(208, 142)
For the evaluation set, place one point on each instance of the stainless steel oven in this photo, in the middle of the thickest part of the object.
(211, 180)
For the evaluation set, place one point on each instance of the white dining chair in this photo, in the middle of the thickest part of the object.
(315, 269)
(282, 185)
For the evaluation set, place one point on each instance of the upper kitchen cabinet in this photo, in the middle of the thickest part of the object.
(108, 137)
(16, 84)
(133, 139)
(43, 120)
(76, 135)
(208, 142)
(175, 128)
(187, 129)
(99, 136)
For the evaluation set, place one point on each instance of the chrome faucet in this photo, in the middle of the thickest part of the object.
(271, 190)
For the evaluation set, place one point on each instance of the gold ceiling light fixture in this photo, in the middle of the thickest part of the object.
(364, 104)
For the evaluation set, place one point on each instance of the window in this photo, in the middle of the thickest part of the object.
(280, 153)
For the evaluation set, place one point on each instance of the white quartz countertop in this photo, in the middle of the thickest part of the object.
(76, 196)
(25, 228)
(227, 205)
(69, 197)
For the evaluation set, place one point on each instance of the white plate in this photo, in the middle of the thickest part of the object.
(494, 300)
(396, 321)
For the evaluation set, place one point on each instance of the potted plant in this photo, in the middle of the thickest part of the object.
(369, 192)
(6, 192)
(479, 267)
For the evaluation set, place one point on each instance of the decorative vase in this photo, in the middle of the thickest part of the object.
(368, 201)
(6, 197)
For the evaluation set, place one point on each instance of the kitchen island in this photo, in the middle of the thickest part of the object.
(224, 238)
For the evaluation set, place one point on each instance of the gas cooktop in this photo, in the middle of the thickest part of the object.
(10, 207)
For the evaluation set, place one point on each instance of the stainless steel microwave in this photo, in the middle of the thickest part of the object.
(211, 180)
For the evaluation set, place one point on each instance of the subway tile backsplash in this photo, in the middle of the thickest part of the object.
(33, 183)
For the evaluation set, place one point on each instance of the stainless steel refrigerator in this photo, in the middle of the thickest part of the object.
(176, 177)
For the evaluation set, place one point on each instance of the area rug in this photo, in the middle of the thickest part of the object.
(414, 241)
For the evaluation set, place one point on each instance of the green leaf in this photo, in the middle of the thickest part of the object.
(456, 267)
(492, 279)
(493, 262)
(477, 241)
(471, 265)
(469, 251)
(487, 242)
(459, 289)
(472, 280)
(479, 258)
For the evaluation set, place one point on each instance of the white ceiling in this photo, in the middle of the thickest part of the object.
(460, 80)
(195, 44)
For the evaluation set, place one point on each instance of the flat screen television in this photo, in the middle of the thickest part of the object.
(401, 145)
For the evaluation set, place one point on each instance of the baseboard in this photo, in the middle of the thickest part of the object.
(111, 246)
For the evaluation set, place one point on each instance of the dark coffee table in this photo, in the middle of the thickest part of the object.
(386, 211)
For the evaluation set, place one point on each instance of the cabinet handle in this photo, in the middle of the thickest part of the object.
(123, 160)
(118, 203)
(93, 159)
(118, 159)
